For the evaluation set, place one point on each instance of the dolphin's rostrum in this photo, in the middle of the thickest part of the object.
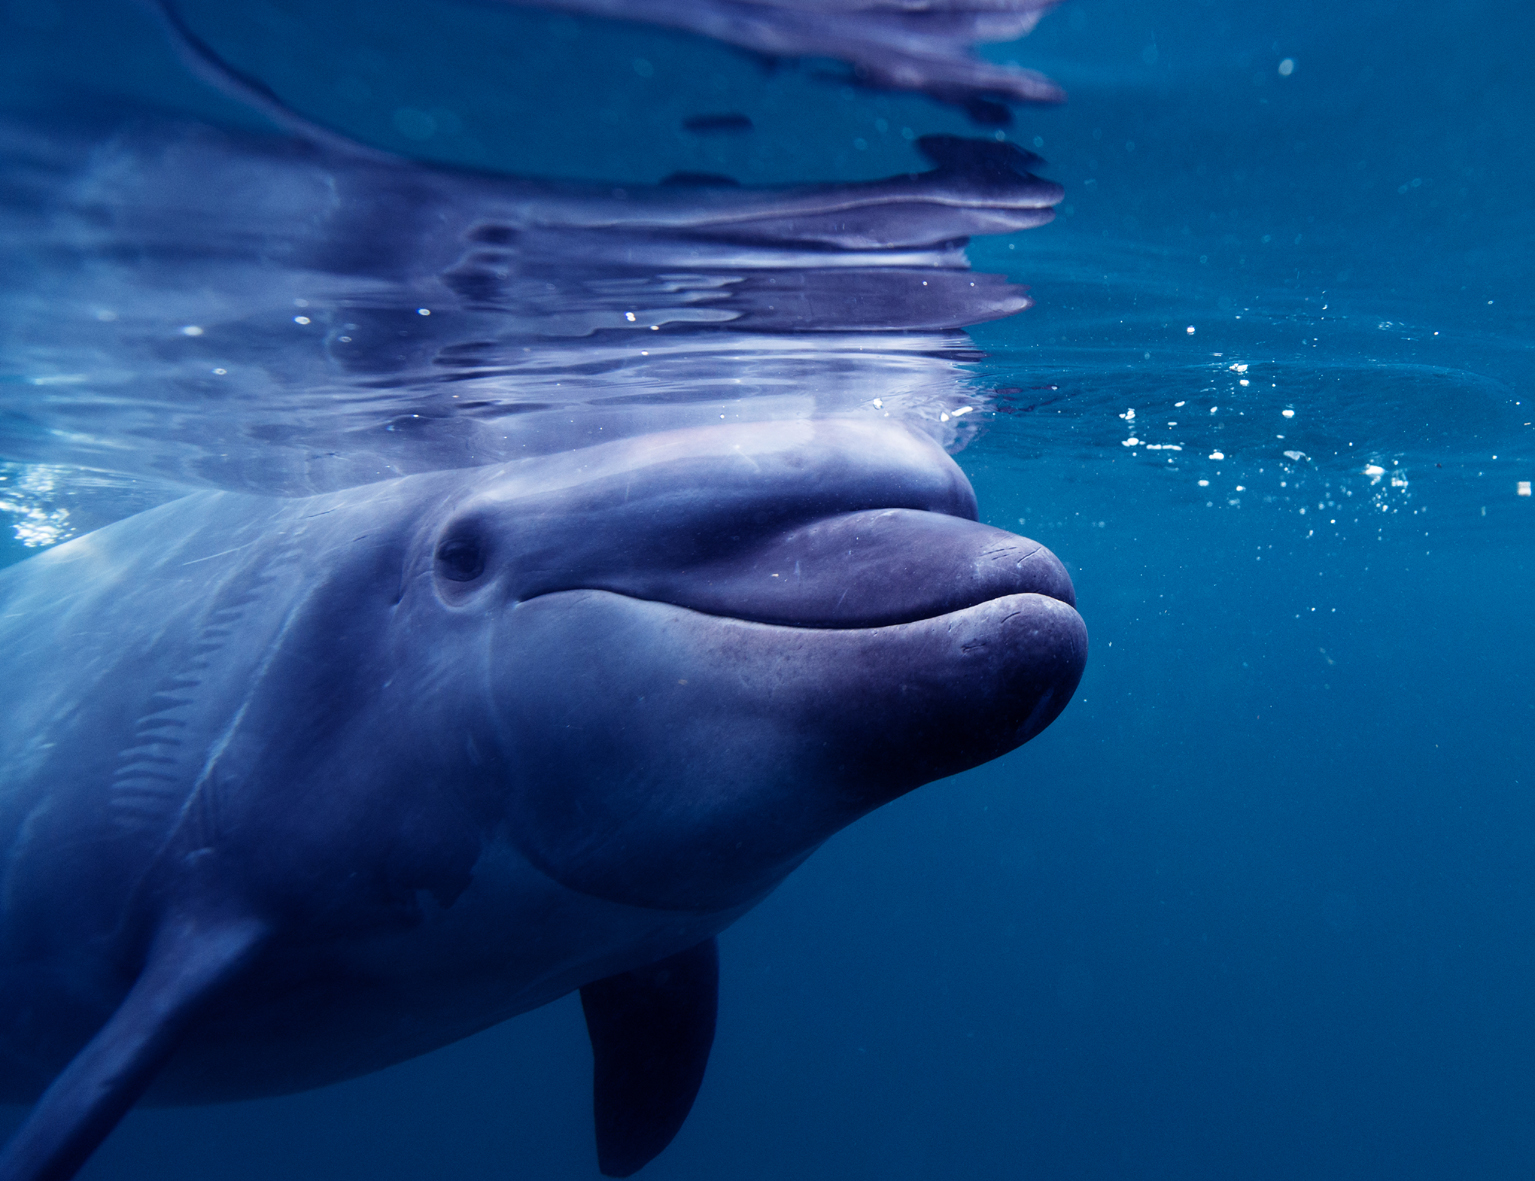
(296, 789)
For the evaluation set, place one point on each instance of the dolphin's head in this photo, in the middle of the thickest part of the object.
(706, 651)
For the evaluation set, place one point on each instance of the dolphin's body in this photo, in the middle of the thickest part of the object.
(295, 789)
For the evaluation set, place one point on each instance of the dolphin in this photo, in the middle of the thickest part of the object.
(294, 789)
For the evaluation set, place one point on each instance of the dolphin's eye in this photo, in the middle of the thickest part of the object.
(460, 559)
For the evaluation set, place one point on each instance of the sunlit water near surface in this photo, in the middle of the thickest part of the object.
(1262, 902)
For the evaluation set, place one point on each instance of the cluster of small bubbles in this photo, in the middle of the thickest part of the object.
(1214, 437)
(1387, 486)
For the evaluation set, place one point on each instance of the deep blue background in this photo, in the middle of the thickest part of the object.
(1261, 903)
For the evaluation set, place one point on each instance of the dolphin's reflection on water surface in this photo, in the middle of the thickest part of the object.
(261, 315)
(543, 572)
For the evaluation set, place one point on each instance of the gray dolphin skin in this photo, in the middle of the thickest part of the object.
(298, 788)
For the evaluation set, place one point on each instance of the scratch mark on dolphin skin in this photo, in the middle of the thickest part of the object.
(220, 554)
(1035, 713)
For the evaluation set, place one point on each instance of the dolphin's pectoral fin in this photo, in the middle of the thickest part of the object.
(190, 959)
(651, 1030)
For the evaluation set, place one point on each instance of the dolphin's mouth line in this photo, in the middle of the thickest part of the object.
(801, 625)
(849, 570)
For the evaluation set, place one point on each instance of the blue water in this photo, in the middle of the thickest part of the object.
(1261, 904)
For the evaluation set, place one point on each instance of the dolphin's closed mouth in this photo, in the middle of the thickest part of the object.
(858, 570)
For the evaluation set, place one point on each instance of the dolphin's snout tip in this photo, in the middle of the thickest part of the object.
(1039, 570)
